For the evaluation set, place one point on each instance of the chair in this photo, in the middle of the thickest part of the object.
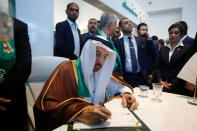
(42, 67)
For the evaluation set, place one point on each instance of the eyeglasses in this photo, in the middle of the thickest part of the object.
(101, 56)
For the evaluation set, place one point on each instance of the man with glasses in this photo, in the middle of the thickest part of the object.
(77, 89)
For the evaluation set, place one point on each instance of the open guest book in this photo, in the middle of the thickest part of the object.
(121, 119)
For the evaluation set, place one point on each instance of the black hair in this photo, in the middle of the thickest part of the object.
(179, 26)
(120, 22)
(161, 41)
(141, 24)
(184, 25)
(154, 37)
(70, 5)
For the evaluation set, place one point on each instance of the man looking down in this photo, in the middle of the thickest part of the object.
(76, 89)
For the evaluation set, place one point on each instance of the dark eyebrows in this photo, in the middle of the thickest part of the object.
(73, 9)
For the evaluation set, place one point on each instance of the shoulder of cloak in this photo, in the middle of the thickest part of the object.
(120, 80)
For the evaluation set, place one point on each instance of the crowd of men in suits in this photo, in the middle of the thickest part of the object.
(140, 60)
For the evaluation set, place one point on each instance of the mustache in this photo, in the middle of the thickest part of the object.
(97, 64)
(144, 35)
(92, 27)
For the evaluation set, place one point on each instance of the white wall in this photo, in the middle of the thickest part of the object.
(86, 11)
(161, 24)
(117, 5)
(158, 24)
(38, 14)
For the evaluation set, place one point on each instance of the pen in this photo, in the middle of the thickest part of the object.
(137, 123)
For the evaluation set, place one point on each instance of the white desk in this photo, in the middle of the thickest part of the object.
(173, 113)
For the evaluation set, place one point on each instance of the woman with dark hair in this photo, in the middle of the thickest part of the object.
(171, 59)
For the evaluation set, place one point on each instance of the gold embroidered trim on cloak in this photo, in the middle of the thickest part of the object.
(77, 114)
(119, 81)
(74, 62)
(73, 98)
(51, 82)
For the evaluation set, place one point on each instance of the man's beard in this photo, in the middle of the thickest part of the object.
(73, 18)
(144, 35)
(127, 31)
(92, 29)
(97, 67)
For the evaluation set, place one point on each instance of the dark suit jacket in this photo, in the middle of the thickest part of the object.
(144, 63)
(64, 46)
(150, 49)
(188, 40)
(13, 86)
(167, 71)
(84, 38)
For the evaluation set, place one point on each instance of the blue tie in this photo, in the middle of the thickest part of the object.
(133, 56)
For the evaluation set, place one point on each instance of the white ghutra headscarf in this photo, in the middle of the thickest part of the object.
(103, 76)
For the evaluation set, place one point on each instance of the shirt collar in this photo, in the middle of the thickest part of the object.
(103, 34)
(72, 23)
(179, 44)
(126, 37)
(90, 33)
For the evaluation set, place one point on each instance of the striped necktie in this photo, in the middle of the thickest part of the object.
(133, 56)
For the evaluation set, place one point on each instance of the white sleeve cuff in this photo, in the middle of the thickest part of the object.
(125, 89)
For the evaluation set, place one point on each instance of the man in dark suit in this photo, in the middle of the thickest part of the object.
(92, 29)
(68, 35)
(142, 31)
(133, 57)
(13, 106)
(186, 38)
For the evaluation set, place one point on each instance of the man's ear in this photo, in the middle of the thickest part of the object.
(110, 25)
(66, 12)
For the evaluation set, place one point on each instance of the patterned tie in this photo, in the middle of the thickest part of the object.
(133, 56)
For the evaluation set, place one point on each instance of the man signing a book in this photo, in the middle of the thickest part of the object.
(77, 88)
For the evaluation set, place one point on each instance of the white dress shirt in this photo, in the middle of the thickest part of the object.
(113, 86)
(172, 50)
(128, 61)
(75, 36)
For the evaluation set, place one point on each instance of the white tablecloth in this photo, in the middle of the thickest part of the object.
(173, 113)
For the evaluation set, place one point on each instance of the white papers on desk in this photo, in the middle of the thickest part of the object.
(62, 128)
(121, 117)
(189, 71)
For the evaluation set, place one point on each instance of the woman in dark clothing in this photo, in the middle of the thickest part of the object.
(171, 59)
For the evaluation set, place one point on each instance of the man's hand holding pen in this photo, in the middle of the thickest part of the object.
(93, 115)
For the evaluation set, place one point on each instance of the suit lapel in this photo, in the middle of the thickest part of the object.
(122, 48)
(165, 54)
(179, 52)
(121, 51)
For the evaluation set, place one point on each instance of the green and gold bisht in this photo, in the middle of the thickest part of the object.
(7, 45)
